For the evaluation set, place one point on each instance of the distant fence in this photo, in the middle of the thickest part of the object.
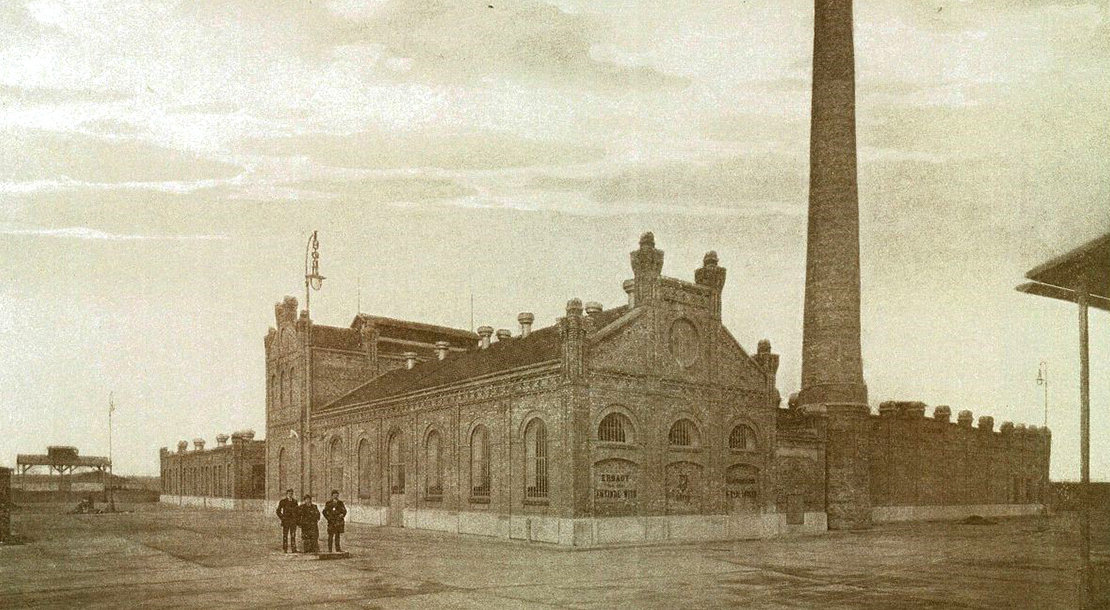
(1066, 495)
(133, 496)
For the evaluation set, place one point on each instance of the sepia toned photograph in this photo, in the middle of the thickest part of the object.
(555, 304)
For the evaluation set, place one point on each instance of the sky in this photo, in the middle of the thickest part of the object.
(163, 163)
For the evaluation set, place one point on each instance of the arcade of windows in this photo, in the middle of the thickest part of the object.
(617, 428)
(480, 488)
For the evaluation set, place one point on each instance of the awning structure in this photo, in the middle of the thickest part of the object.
(1084, 269)
(1081, 276)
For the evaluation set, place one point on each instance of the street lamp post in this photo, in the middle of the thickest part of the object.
(1042, 380)
(312, 280)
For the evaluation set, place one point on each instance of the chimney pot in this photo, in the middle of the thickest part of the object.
(410, 359)
(574, 307)
(221, 440)
(504, 334)
(441, 349)
(485, 332)
(198, 444)
(182, 446)
(526, 318)
(593, 308)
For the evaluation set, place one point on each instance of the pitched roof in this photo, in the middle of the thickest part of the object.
(333, 337)
(539, 346)
(416, 331)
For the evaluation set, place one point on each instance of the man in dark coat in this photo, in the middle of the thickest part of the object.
(308, 517)
(334, 512)
(287, 513)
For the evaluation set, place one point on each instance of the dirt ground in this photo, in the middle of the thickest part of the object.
(160, 556)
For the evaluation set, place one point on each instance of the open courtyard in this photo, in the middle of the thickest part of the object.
(161, 556)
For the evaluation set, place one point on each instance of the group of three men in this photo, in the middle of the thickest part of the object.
(306, 516)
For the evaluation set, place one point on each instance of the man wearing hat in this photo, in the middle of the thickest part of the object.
(308, 517)
(334, 512)
(287, 513)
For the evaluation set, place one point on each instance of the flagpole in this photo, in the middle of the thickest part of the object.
(111, 494)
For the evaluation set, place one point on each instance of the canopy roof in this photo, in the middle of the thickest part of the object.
(1087, 266)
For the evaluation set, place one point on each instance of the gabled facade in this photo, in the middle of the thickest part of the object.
(642, 422)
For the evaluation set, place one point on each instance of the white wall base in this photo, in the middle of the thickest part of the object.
(594, 532)
(253, 504)
(887, 514)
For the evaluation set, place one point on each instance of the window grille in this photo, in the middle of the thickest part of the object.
(479, 463)
(612, 429)
(742, 438)
(535, 463)
(433, 484)
(683, 434)
(396, 464)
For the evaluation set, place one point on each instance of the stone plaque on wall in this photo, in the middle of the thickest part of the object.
(615, 487)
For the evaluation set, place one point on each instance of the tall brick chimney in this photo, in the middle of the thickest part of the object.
(832, 368)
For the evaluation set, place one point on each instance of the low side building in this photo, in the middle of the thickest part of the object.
(229, 475)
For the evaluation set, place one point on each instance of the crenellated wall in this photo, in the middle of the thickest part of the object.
(919, 461)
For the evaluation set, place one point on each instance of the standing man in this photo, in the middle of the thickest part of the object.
(308, 517)
(334, 512)
(287, 513)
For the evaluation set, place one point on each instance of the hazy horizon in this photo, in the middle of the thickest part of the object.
(164, 163)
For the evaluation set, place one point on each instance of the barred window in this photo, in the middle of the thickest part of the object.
(535, 460)
(433, 482)
(615, 428)
(396, 463)
(479, 463)
(743, 438)
(335, 465)
(683, 434)
(363, 466)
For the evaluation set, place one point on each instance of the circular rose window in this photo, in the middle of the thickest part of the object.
(684, 341)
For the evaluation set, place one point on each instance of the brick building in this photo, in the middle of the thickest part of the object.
(646, 421)
(229, 475)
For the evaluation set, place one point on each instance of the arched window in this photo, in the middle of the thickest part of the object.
(279, 391)
(364, 485)
(272, 390)
(615, 428)
(535, 460)
(683, 434)
(743, 438)
(283, 474)
(479, 463)
(396, 463)
(433, 469)
(335, 465)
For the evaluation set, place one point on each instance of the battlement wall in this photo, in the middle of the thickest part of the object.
(931, 461)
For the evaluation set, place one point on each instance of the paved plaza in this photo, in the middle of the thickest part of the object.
(161, 556)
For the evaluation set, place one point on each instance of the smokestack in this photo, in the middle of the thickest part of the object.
(441, 349)
(526, 319)
(182, 446)
(221, 440)
(832, 368)
(629, 287)
(485, 332)
(593, 308)
(410, 359)
(504, 334)
(198, 444)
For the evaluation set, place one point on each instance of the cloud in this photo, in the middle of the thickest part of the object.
(450, 40)
(384, 150)
(56, 158)
(738, 183)
(87, 233)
